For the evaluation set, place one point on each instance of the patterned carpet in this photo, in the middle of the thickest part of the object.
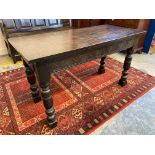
(83, 99)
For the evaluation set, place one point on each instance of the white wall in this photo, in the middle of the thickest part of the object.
(3, 49)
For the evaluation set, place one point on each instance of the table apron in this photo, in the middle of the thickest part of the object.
(64, 62)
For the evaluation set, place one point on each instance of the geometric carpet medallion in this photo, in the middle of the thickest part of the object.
(83, 100)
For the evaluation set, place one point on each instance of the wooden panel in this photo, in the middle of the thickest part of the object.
(95, 22)
(53, 21)
(79, 23)
(65, 22)
(9, 23)
(24, 23)
(141, 24)
(39, 22)
(129, 23)
(83, 23)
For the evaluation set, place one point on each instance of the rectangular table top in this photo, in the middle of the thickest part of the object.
(36, 46)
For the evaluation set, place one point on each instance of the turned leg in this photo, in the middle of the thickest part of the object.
(32, 81)
(102, 68)
(43, 75)
(126, 66)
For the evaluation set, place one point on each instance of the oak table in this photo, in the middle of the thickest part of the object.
(46, 53)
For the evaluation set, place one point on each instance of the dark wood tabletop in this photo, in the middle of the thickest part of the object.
(45, 45)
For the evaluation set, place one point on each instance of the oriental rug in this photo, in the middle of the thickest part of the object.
(83, 99)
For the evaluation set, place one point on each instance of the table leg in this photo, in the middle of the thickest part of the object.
(32, 81)
(43, 75)
(102, 68)
(126, 66)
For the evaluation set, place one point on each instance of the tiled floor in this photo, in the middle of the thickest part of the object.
(139, 117)
(136, 119)
(6, 64)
